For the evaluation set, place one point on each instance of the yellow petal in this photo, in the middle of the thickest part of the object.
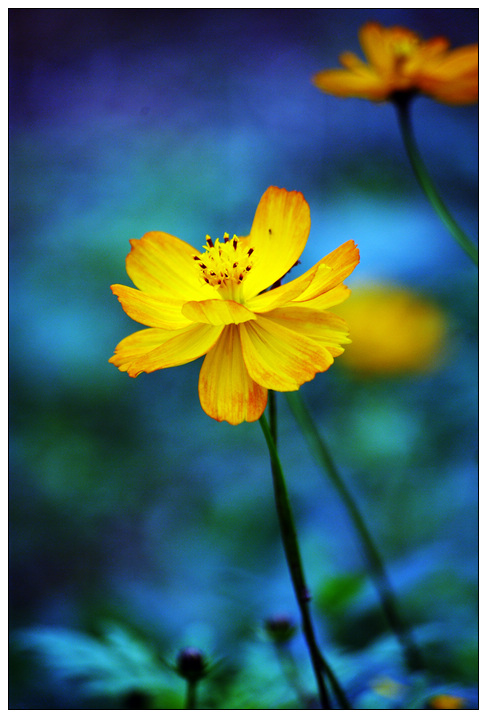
(152, 311)
(217, 311)
(346, 83)
(278, 357)
(331, 271)
(452, 77)
(323, 327)
(278, 236)
(137, 345)
(374, 40)
(152, 349)
(227, 393)
(334, 296)
(162, 264)
(320, 279)
(281, 295)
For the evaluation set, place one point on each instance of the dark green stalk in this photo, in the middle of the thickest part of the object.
(402, 105)
(372, 555)
(293, 557)
(190, 695)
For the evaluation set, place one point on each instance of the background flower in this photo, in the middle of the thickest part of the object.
(394, 330)
(399, 61)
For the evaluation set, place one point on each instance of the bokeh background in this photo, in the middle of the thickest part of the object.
(138, 525)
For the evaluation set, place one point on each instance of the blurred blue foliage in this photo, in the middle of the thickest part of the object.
(128, 505)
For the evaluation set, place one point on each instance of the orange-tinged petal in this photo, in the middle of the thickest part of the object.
(278, 236)
(227, 392)
(162, 264)
(331, 271)
(426, 52)
(280, 295)
(345, 83)
(278, 357)
(375, 42)
(152, 349)
(452, 77)
(136, 345)
(320, 279)
(217, 311)
(152, 311)
(334, 296)
(323, 327)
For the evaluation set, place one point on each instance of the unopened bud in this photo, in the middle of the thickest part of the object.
(280, 628)
(191, 664)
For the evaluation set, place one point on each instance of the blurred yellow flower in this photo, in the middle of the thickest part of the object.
(213, 302)
(393, 331)
(445, 701)
(399, 61)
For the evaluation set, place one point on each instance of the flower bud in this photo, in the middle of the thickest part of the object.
(191, 664)
(280, 628)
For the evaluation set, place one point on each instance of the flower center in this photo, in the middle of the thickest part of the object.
(225, 264)
(403, 44)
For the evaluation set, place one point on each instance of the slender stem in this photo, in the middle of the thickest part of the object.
(273, 416)
(293, 557)
(288, 665)
(191, 695)
(402, 105)
(372, 555)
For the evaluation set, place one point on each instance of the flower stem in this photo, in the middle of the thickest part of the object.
(293, 557)
(190, 695)
(372, 555)
(402, 106)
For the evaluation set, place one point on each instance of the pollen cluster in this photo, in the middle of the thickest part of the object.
(224, 264)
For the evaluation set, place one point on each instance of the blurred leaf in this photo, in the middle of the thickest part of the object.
(334, 596)
(117, 664)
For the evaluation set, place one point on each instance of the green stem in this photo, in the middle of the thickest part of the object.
(288, 665)
(402, 105)
(293, 557)
(190, 695)
(372, 555)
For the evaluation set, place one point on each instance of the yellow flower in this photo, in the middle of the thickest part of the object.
(398, 61)
(394, 331)
(213, 302)
(445, 701)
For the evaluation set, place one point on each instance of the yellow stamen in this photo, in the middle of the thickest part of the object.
(224, 265)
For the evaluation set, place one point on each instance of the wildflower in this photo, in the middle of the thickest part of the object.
(445, 701)
(399, 62)
(394, 331)
(212, 302)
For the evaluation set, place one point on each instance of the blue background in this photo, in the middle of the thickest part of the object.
(127, 502)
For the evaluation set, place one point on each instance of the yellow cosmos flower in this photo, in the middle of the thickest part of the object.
(398, 61)
(394, 331)
(213, 302)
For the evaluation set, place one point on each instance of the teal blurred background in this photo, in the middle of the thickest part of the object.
(129, 507)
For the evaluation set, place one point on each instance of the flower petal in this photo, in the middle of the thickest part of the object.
(162, 264)
(217, 311)
(152, 349)
(323, 327)
(152, 311)
(331, 271)
(375, 42)
(278, 357)
(346, 83)
(227, 393)
(280, 295)
(452, 78)
(334, 296)
(278, 236)
(318, 280)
